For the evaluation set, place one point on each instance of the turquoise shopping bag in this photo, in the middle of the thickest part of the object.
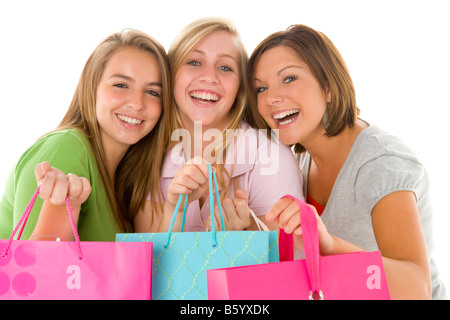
(180, 259)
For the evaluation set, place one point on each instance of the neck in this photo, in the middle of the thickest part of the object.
(112, 157)
(328, 155)
(331, 152)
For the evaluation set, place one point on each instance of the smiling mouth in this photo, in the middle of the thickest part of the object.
(129, 120)
(205, 96)
(286, 117)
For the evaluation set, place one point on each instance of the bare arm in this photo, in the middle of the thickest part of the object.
(398, 234)
(401, 241)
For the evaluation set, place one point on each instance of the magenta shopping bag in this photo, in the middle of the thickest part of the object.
(73, 269)
(350, 276)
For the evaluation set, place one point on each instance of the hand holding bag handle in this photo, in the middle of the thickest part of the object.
(310, 236)
(23, 221)
(211, 177)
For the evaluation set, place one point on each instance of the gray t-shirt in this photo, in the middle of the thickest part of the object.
(377, 165)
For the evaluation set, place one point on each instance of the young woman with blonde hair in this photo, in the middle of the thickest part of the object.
(208, 65)
(106, 153)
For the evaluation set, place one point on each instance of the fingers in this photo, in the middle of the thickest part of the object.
(217, 222)
(201, 164)
(286, 213)
(47, 184)
(236, 212)
(75, 186)
(41, 170)
(79, 188)
(191, 179)
(277, 209)
(242, 209)
(55, 186)
(84, 195)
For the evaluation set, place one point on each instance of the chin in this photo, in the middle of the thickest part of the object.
(287, 139)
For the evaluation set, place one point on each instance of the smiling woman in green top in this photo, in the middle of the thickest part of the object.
(104, 154)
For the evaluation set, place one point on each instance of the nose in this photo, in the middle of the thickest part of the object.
(273, 97)
(136, 101)
(209, 75)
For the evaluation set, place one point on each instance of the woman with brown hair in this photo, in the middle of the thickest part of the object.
(369, 190)
(106, 153)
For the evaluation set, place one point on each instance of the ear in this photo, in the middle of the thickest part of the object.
(328, 92)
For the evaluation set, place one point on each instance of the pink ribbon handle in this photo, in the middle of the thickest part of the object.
(310, 235)
(23, 221)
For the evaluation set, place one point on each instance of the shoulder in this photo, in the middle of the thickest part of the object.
(383, 165)
(64, 149)
(67, 138)
(380, 152)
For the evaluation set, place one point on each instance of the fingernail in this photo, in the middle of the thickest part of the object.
(51, 174)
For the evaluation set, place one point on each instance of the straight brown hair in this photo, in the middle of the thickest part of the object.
(328, 67)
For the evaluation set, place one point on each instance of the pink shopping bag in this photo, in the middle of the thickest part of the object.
(351, 276)
(73, 269)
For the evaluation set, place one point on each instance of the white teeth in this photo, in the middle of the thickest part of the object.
(205, 96)
(129, 120)
(282, 123)
(284, 114)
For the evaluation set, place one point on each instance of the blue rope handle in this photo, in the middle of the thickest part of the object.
(211, 178)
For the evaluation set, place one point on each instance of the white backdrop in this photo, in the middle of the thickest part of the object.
(397, 52)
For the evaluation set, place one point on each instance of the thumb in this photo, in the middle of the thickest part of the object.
(41, 170)
(240, 193)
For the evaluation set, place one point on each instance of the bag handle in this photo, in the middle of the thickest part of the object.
(23, 221)
(310, 236)
(211, 178)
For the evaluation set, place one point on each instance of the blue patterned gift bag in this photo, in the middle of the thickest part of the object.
(180, 259)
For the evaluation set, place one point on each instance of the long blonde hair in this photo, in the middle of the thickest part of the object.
(138, 172)
(186, 41)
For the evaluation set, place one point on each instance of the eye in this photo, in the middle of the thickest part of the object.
(120, 85)
(260, 89)
(289, 79)
(153, 93)
(194, 63)
(225, 68)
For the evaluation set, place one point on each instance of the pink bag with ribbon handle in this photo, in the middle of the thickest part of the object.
(351, 276)
(72, 270)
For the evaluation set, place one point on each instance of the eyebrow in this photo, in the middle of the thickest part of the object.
(283, 69)
(288, 67)
(128, 78)
(222, 55)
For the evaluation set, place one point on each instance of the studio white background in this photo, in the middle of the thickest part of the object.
(398, 54)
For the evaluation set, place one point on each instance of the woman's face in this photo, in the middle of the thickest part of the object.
(289, 97)
(128, 98)
(207, 82)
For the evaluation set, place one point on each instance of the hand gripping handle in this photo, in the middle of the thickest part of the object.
(23, 221)
(310, 236)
